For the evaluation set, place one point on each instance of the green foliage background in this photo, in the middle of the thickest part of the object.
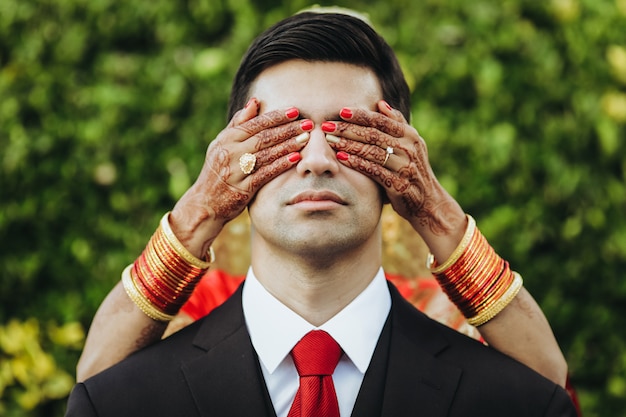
(106, 109)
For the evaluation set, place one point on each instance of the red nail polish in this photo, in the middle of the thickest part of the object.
(329, 127)
(292, 113)
(342, 156)
(306, 125)
(294, 157)
(346, 113)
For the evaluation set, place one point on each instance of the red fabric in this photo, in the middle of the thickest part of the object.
(316, 356)
(212, 290)
(573, 395)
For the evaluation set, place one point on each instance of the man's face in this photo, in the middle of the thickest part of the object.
(320, 206)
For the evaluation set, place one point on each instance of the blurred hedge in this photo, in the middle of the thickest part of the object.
(106, 109)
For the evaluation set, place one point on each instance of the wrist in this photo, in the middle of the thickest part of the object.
(478, 281)
(163, 277)
(194, 227)
(442, 227)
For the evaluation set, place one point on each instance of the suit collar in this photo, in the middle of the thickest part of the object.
(218, 378)
(416, 379)
(407, 353)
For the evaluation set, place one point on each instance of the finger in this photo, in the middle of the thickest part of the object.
(252, 162)
(363, 134)
(386, 109)
(266, 121)
(383, 176)
(275, 135)
(373, 153)
(250, 110)
(368, 143)
(376, 120)
(268, 155)
(266, 173)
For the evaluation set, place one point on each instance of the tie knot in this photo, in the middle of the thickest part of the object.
(317, 353)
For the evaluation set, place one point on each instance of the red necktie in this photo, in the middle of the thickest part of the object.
(316, 356)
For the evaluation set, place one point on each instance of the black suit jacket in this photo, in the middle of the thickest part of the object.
(419, 368)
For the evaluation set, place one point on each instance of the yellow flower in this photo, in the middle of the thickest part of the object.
(69, 335)
(30, 398)
(15, 335)
(58, 385)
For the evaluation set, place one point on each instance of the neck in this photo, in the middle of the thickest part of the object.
(317, 286)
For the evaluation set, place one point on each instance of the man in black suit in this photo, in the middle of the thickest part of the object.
(317, 143)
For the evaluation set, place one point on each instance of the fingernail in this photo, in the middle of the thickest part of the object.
(387, 105)
(292, 113)
(329, 127)
(346, 113)
(302, 137)
(342, 156)
(294, 157)
(306, 125)
(332, 138)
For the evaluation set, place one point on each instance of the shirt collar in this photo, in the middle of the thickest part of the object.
(275, 329)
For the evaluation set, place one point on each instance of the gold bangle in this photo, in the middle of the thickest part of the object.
(495, 308)
(467, 237)
(140, 301)
(181, 249)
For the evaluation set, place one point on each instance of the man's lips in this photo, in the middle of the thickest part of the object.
(314, 196)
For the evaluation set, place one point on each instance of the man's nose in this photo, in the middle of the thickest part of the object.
(317, 156)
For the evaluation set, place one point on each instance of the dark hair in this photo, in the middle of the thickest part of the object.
(327, 37)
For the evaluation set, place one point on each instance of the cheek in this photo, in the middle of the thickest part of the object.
(368, 188)
(265, 196)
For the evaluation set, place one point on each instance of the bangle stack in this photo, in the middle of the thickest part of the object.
(165, 274)
(475, 278)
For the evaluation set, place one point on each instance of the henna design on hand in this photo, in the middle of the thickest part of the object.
(267, 173)
(260, 123)
(369, 152)
(272, 137)
(412, 188)
(223, 201)
(221, 192)
(379, 123)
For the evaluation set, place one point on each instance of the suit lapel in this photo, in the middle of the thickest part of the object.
(405, 359)
(416, 379)
(229, 367)
(370, 399)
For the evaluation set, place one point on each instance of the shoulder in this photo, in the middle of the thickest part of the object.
(145, 382)
(140, 384)
(488, 381)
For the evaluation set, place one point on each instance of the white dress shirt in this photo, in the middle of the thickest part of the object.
(275, 330)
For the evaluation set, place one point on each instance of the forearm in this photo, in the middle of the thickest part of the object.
(118, 329)
(522, 331)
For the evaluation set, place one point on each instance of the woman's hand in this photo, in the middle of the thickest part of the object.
(223, 189)
(383, 146)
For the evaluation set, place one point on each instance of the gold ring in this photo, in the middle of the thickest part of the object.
(247, 161)
(389, 152)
